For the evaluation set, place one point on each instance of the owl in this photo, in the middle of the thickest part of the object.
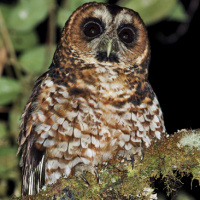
(94, 103)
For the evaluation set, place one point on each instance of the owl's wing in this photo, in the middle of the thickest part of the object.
(153, 117)
(32, 159)
(147, 117)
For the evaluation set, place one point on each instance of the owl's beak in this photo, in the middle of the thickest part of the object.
(109, 47)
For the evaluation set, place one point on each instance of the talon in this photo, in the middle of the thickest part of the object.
(85, 180)
(81, 168)
(97, 175)
(132, 160)
(142, 156)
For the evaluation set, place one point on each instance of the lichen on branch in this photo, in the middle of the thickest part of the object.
(174, 154)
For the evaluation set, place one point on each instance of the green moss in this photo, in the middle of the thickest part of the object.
(166, 158)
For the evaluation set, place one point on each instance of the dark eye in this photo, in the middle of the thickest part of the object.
(92, 29)
(126, 34)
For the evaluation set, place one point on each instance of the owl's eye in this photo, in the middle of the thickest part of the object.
(126, 35)
(92, 29)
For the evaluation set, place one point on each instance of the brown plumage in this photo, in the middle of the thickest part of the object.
(94, 102)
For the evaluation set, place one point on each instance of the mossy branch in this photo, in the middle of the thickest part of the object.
(177, 153)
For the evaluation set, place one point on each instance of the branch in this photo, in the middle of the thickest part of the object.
(183, 27)
(9, 46)
(51, 33)
(178, 153)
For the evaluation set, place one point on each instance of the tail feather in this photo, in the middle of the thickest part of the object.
(33, 171)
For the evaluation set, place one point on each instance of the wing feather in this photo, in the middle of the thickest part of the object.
(32, 159)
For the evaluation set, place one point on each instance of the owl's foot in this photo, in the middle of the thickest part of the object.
(132, 154)
(81, 168)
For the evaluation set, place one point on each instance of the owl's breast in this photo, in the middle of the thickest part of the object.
(70, 122)
(92, 121)
(104, 83)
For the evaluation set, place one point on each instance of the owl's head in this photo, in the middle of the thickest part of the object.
(108, 35)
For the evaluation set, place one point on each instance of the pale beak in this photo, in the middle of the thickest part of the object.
(109, 47)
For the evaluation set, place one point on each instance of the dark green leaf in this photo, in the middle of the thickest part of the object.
(27, 14)
(2, 130)
(9, 162)
(64, 13)
(151, 11)
(6, 151)
(73, 5)
(1, 42)
(14, 121)
(178, 13)
(9, 90)
(5, 11)
(37, 60)
(23, 40)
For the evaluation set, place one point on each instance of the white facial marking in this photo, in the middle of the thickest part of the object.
(123, 17)
(104, 14)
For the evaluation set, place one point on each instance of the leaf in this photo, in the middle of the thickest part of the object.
(5, 151)
(151, 11)
(14, 121)
(9, 162)
(73, 5)
(33, 60)
(27, 14)
(178, 13)
(1, 42)
(9, 90)
(3, 131)
(23, 40)
(64, 13)
(5, 11)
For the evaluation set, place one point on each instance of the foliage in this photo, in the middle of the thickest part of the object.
(24, 55)
(156, 10)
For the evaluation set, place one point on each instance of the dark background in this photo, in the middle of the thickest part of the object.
(174, 73)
